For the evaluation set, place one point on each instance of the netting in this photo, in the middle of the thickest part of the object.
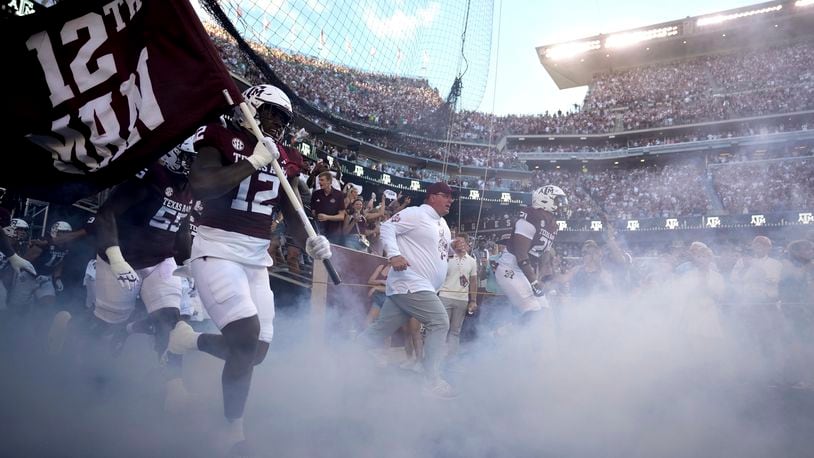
(417, 39)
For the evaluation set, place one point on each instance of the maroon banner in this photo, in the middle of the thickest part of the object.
(99, 89)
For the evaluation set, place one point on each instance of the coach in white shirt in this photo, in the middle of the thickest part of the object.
(416, 241)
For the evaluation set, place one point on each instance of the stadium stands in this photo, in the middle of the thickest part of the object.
(703, 89)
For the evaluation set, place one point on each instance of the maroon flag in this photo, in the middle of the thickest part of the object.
(98, 89)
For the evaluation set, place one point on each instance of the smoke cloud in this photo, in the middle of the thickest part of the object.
(615, 376)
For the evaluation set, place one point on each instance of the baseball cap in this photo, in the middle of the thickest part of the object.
(439, 187)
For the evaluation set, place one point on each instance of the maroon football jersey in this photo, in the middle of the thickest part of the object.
(246, 209)
(546, 225)
(147, 231)
(50, 257)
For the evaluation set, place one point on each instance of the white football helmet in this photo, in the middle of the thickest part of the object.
(60, 226)
(551, 199)
(264, 100)
(18, 230)
(179, 159)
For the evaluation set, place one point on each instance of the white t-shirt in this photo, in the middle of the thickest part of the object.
(423, 238)
(758, 278)
(464, 266)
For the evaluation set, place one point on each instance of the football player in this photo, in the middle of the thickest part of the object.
(239, 188)
(519, 267)
(9, 257)
(46, 256)
(137, 237)
(19, 233)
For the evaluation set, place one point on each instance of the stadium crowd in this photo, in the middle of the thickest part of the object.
(706, 88)
(766, 186)
(672, 190)
(749, 181)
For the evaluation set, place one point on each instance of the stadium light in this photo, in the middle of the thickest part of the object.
(622, 40)
(803, 3)
(568, 50)
(721, 18)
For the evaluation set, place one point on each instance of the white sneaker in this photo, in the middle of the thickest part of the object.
(183, 339)
(439, 389)
(58, 332)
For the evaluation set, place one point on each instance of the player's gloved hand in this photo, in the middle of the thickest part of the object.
(21, 264)
(125, 274)
(318, 247)
(58, 285)
(537, 289)
(264, 153)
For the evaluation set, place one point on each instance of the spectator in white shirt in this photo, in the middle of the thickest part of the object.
(758, 276)
(459, 293)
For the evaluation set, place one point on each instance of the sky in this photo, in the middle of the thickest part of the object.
(523, 85)
(417, 38)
